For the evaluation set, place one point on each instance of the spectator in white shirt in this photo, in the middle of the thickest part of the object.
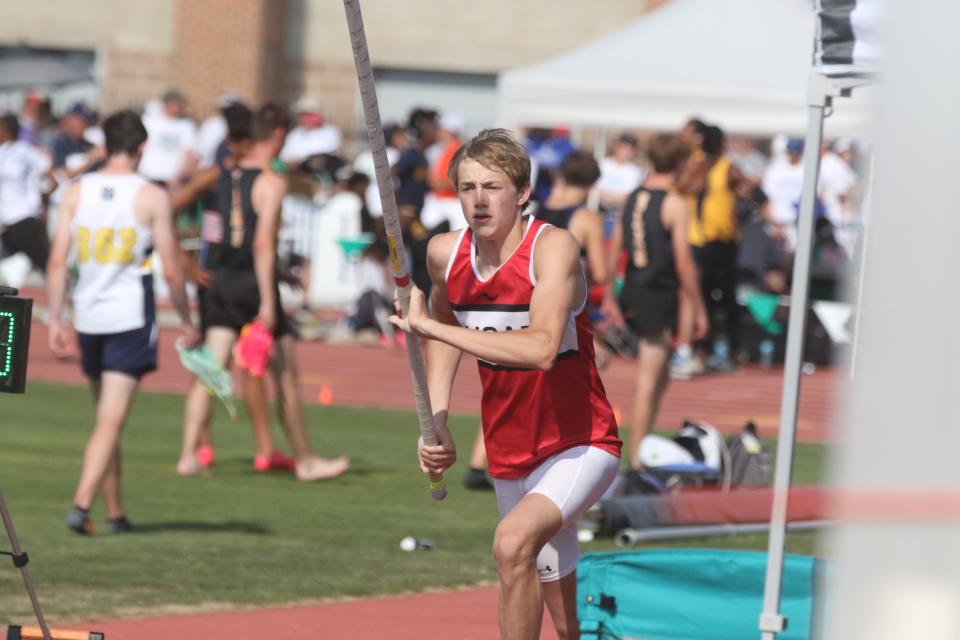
(783, 184)
(837, 182)
(23, 169)
(169, 155)
(619, 174)
(313, 135)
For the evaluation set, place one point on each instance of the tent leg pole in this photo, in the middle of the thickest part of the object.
(771, 620)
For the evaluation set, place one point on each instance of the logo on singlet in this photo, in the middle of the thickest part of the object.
(107, 193)
(495, 329)
(487, 296)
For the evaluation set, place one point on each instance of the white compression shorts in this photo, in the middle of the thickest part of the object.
(573, 480)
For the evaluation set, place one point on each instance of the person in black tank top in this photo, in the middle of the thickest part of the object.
(566, 208)
(660, 268)
(558, 217)
(243, 254)
(233, 298)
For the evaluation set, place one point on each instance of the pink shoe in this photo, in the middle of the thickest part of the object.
(206, 456)
(276, 462)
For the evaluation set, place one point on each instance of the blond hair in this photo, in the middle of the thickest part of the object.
(495, 149)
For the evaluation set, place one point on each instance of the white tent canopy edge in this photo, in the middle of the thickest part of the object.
(741, 64)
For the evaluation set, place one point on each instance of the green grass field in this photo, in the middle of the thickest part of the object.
(235, 538)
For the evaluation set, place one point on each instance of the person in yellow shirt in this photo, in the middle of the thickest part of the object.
(710, 183)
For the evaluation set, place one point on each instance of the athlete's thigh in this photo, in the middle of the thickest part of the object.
(575, 479)
(535, 519)
(220, 341)
(652, 355)
(284, 354)
(116, 395)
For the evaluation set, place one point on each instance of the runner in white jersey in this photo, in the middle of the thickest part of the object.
(113, 219)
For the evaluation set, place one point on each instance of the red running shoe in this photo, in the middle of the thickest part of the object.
(206, 456)
(276, 462)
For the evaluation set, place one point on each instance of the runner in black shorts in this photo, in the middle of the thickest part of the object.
(132, 353)
(233, 298)
(659, 269)
(243, 254)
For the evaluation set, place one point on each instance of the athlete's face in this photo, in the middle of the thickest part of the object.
(491, 202)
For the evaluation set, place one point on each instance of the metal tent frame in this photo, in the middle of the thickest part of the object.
(822, 88)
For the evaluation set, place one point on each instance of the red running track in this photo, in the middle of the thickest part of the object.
(354, 375)
(453, 615)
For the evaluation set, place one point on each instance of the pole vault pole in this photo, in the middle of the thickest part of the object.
(371, 113)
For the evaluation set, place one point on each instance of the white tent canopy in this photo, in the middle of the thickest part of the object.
(742, 64)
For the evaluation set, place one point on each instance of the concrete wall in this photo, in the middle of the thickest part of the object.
(132, 25)
(145, 46)
(455, 35)
(462, 36)
(134, 39)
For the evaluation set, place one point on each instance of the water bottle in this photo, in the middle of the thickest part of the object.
(721, 350)
(766, 353)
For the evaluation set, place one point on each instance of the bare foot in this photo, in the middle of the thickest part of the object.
(188, 467)
(317, 468)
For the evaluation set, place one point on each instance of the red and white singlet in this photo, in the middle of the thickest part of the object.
(529, 415)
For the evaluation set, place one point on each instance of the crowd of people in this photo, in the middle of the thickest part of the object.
(532, 255)
(741, 198)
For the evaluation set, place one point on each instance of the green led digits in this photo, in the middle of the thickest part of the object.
(14, 340)
(7, 329)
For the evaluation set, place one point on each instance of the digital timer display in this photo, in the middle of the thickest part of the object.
(14, 339)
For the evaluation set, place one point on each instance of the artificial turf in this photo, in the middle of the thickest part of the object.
(234, 538)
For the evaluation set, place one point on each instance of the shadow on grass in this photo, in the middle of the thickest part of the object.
(231, 526)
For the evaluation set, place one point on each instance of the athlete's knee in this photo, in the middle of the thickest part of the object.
(513, 548)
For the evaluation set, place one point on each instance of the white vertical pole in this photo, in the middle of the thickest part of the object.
(771, 621)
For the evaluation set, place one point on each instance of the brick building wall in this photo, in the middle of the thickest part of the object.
(229, 44)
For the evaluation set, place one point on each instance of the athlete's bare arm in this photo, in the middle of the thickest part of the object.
(559, 284)
(675, 215)
(57, 271)
(587, 228)
(152, 207)
(267, 196)
(200, 183)
(693, 176)
(443, 360)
